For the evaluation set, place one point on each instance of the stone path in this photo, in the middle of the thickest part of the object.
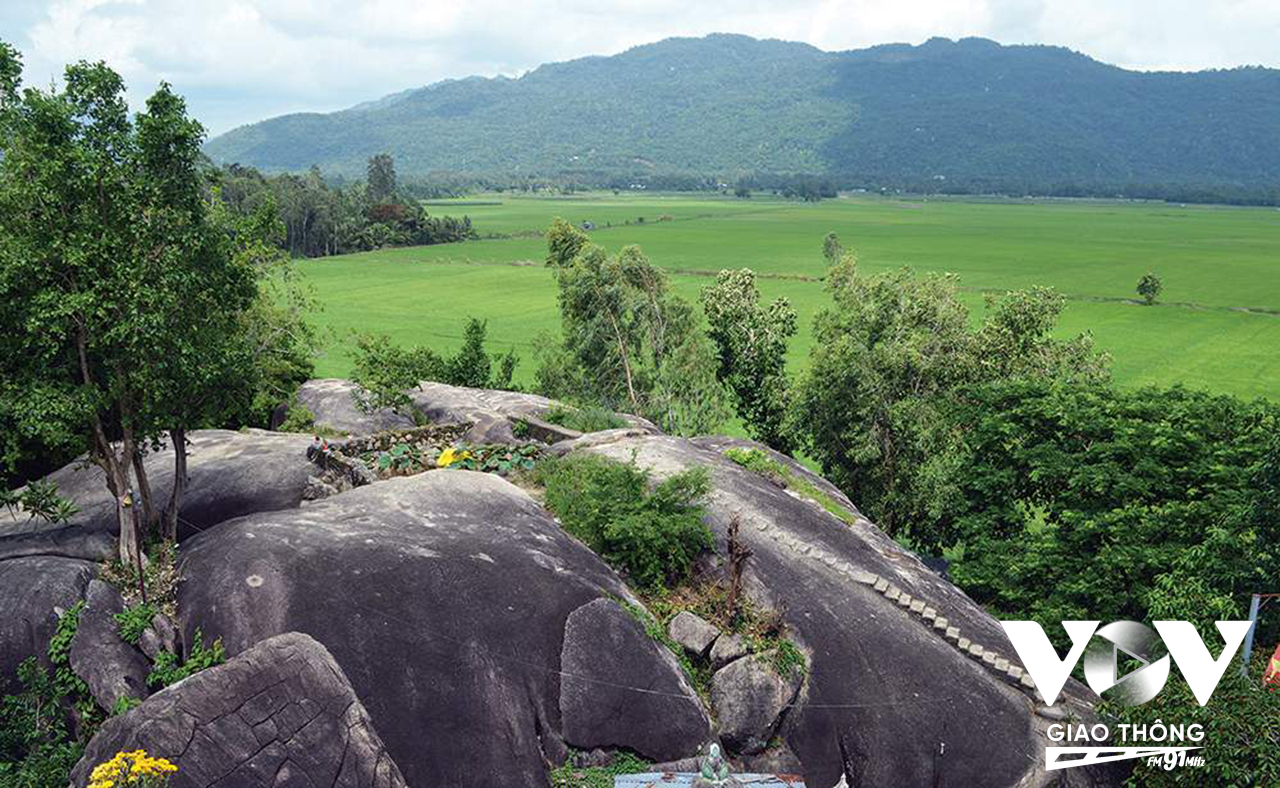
(919, 609)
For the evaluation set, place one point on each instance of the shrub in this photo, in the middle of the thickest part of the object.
(591, 418)
(570, 776)
(36, 749)
(134, 621)
(1149, 286)
(168, 670)
(653, 535)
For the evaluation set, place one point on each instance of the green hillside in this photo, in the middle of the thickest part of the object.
(969, 111)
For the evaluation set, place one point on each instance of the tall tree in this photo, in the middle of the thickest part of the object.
(381, 177)
(890, 359)
(751, 341)
(627, 342)
(126, 294)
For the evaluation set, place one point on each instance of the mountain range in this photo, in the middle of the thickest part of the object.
(966, 111)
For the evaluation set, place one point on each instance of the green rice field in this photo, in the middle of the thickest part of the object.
(1217, 325)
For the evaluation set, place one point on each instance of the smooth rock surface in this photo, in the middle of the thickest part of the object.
(606, 650)
(885, 688)
(280, 714)
(332, 402)
(232, 473)
(444, 598)
(749, 698)
(693, 633)
(112, 668)
(36, 591)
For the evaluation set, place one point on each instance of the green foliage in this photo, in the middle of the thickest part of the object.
(564, 242)
(832, 250)
(36, 748)
(591, 418)
(499, 459)
(299, 417)
(65, 682)
(890, 359)
(385, 373)
(168, 670)
(751, 344)
(322, 219)
(570, 776)
(652, 535)
(471, 366)
(1080, 501)
(39, 500)
(133, 286)
(381, 176)
(124, 704)
(134, 621)
(629, 345)
(1149, 286)
(756, 460)
(1242, 737)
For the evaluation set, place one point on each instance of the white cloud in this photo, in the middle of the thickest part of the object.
(242, 60)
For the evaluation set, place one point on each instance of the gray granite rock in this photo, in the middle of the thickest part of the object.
(693, 633)
(279, 714)
(607, 652)
(726, 649)
(749, 698)
(112, 668)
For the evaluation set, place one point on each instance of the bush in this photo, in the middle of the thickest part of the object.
(134, 621)
(591, 418)
(168, 670)
(36, 749)
(652, 535)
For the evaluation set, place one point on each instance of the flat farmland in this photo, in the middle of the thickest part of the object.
(1217, 326)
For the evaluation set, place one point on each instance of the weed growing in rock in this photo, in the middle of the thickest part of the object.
(652, 535)
(133, 621)
(167, 669)
(591, 418)
(160, 577)
(570, 776)
(756, 460)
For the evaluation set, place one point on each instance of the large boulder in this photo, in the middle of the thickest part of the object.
(332, 401)
(36, 591)
(606, 652)
(750, 699)
(493, 413)
(280, 714)
(444, 597)
(231, 473)
(905, 669)
(112, 668)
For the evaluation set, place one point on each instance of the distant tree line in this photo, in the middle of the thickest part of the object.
(321, 218)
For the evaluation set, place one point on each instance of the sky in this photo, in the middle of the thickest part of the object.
(239, 61)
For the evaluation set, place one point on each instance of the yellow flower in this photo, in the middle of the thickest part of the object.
(132, 769)
(451, 456)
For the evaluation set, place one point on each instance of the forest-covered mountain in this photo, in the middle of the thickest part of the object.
(970, 111)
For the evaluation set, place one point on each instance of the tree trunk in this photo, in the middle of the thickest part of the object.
(150, 516)
(178, 437)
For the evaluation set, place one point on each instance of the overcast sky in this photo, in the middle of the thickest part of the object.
(238, 61)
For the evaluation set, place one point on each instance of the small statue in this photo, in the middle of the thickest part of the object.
(715, 770)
